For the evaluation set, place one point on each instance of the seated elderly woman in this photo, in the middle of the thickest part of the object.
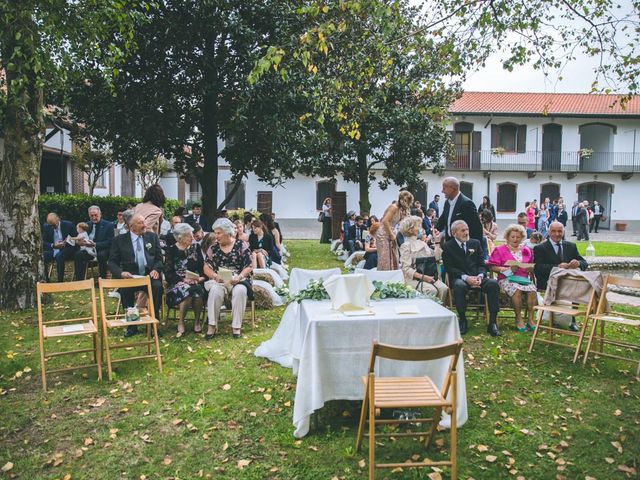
(184, 290)
(227, 258)
(412, 249)
(513, 279)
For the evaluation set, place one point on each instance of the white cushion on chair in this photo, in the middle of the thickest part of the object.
(382, 275)
(300, 278)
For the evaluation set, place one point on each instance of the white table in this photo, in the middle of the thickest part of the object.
(331, 352)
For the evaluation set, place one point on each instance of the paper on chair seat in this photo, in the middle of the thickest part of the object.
(406, 309)
(73, 328)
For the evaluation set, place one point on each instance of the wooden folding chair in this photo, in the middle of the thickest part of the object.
(68, 327)
(506, 303)
(409, 392)
(604, 315)
(118, 320)
(251, 309)
(476, 302)
(567, 306)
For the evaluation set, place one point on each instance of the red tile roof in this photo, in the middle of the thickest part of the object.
(544, 104)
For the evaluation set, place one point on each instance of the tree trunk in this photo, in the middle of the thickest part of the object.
(363, 181)
(21, 263)
(209, 178)
(232, 192)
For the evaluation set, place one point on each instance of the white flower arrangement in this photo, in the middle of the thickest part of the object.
(148, 246)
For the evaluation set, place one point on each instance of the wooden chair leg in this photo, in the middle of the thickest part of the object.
(98, 350)
(454, 426)
(155, 334)
(363, 417)
(372, 430)
(42, 364)
(536, 331)
(581, 338)
(253, 314)
(590, 341)
(105, 336)
(434, 425)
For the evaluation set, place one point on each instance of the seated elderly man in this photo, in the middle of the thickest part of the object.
(464, 263)
(54, 247)
(556, 252)
(228, 264)
(137, 252)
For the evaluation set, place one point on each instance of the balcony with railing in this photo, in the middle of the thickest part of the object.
(537, 161)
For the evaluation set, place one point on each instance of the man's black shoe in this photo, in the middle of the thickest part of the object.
(492, 329)
(464, 328)
(574, 327)
(131, 331)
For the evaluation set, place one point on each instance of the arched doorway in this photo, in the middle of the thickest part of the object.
(551, 147)
(467, 189)
(602, 193)
(596, 147)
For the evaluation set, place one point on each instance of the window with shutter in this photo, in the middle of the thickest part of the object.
(507, 193)
(237, 201)
(511, 137)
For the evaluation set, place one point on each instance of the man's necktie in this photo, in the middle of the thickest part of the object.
(140, 256)
(464, 247)
(559, 252)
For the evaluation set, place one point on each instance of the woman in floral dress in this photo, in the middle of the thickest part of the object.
(515, 250)
(184, 290)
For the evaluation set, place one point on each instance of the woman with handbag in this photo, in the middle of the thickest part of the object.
(418, 261)
(513, 278)
(325, 218)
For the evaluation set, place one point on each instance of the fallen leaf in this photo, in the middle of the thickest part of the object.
(625, 469)
(7, 466)
(98, 403)
(362, 463)
(618, 412)
(243, 463)
(226, 386)
(483, 448)
(434, 476)
(609, 460)
(167, 461)
(490, 458)
(88, 441)
(267, 396)
(225, 446)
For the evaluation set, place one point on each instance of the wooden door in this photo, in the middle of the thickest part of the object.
(338, 211)
(265, 202)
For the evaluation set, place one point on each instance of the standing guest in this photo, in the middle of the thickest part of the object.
(137, 253)
(561, 214)
(169, 239)
(151, 208)
(119, 225)
(514, 249)
(227, 253)
(458, 207)
(435, 206)
(356, 239)
(184, 291)
(261, 243)
(574, 214)
(54, 246)
(370, 249)
(429, 220)
(325, 237)
(543, 220)
(414, 248)
(386, 241)
(466, 269)
(531, 210)
(100, 236)
(524, 221)
(556, 252)
(598, 211)
(489, 232)
(582, 221)
(486, 205)
(277, 225)
(181, 212)
(553, 211)
(196, 217)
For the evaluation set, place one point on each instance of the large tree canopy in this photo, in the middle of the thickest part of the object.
(40, 40)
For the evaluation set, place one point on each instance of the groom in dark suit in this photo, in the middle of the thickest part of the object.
(137, 253)
(458, 207)
(464, 263)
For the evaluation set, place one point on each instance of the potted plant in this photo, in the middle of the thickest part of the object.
(621, 226)
(585, 152)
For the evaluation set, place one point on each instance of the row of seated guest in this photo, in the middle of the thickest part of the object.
(138, 252)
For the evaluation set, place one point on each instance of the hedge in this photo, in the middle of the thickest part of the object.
(74, 207)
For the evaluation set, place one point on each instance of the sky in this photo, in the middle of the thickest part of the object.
(576, 77)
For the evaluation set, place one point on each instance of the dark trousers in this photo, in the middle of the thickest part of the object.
(574, 225)
(489, 287)
(370, 260)
(595, 223)
(127, 295)
(65, 254)
(583, 234)
(83, 257)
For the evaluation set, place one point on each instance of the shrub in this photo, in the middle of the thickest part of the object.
(73, 207)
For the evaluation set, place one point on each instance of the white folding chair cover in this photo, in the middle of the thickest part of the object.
(300, 277)
(280, 270)
(382, 275)
(277, 279)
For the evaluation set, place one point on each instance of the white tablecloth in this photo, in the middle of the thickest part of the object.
(331, 352)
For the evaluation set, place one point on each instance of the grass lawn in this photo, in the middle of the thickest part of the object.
(217, 411)
(611, 249)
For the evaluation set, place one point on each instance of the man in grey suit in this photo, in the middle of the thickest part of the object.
(582, 221)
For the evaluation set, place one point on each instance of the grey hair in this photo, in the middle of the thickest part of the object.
(456, 224)
(555, 222)
(453, 181)
(408, 224)
(181, 229)
(127, 216)
(514, 227)
(225, 226)
(94, 207)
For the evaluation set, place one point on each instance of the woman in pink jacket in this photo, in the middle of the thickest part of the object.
(513, 279)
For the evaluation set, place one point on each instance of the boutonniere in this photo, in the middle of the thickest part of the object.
(147, 246)
(471, 251)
